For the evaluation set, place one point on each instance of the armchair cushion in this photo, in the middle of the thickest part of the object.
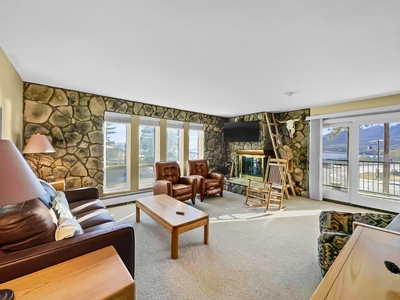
(168, 171)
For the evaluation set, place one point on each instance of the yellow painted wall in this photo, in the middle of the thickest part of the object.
(356, 105)
(11, 103)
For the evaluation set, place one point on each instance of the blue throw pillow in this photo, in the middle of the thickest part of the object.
(50, 192)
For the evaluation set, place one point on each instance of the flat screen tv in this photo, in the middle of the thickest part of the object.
(242, 131)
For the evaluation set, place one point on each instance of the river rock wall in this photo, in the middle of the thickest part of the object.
(73, 122)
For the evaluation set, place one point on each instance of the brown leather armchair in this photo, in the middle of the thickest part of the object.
(208, 183)
(169, 181)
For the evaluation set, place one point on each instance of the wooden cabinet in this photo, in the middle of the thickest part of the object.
(359, 271)
(97, 275)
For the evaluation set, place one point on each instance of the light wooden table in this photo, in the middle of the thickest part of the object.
(98, 275)
(359, 271)
(162, 209)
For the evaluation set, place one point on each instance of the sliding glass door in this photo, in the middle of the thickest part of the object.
(335, 161)
(361, 161)
(379, 161)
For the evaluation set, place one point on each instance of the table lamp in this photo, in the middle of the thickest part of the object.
(38, 144)
(18, 183)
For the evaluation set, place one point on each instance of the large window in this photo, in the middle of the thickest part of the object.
(133, 144)
(116, 148)
(196, 138)
(174, 141)
(148, 150)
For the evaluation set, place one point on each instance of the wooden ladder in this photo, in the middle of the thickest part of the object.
(276, 143)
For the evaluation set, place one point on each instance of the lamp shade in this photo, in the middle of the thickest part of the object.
(18, 183)
(38, 143)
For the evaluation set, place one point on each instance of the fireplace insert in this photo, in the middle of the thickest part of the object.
(251, 164)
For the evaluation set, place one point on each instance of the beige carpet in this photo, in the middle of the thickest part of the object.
(251, 255)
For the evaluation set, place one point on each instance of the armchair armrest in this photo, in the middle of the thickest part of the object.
(162, 187)
(329, 246)
(186, 180)
(215, 175)
(336, 221)
(20, 263)
(84, 193)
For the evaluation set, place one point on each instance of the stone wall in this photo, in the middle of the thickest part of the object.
(298, 144)
(73, 122)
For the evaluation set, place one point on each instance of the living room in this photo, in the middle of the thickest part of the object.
(72, 117)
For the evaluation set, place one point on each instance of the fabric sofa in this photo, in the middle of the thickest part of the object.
(27, 233)
(336, 229)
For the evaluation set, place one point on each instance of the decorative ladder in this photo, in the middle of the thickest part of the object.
(276, 143)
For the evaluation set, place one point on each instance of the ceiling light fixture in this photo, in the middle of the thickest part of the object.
(289, 94)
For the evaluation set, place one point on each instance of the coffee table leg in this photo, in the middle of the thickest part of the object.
(137, 214)
(206, 233)
(174, 243)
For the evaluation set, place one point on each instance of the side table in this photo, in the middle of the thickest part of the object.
(59, 184)
(97, 275)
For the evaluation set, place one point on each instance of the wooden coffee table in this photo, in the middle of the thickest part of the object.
(163, 208)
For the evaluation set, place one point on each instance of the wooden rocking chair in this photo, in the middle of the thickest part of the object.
(272, 189)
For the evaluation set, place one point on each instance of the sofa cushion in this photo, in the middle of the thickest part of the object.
(83, 206)
(59, 204)
(67, 228)
(394, 224)
(25, 225)
(93, 218)
(50, 192)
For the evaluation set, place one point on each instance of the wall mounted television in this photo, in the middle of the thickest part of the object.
(242, 131)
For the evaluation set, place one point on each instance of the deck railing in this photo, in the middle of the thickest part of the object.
(380, 178)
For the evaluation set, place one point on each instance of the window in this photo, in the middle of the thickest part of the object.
(116, 152)
(174, 141)
(148, 150)
(196, 137)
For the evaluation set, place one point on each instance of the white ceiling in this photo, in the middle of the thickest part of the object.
(219, 57)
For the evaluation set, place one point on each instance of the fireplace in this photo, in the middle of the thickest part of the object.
(251, 164)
